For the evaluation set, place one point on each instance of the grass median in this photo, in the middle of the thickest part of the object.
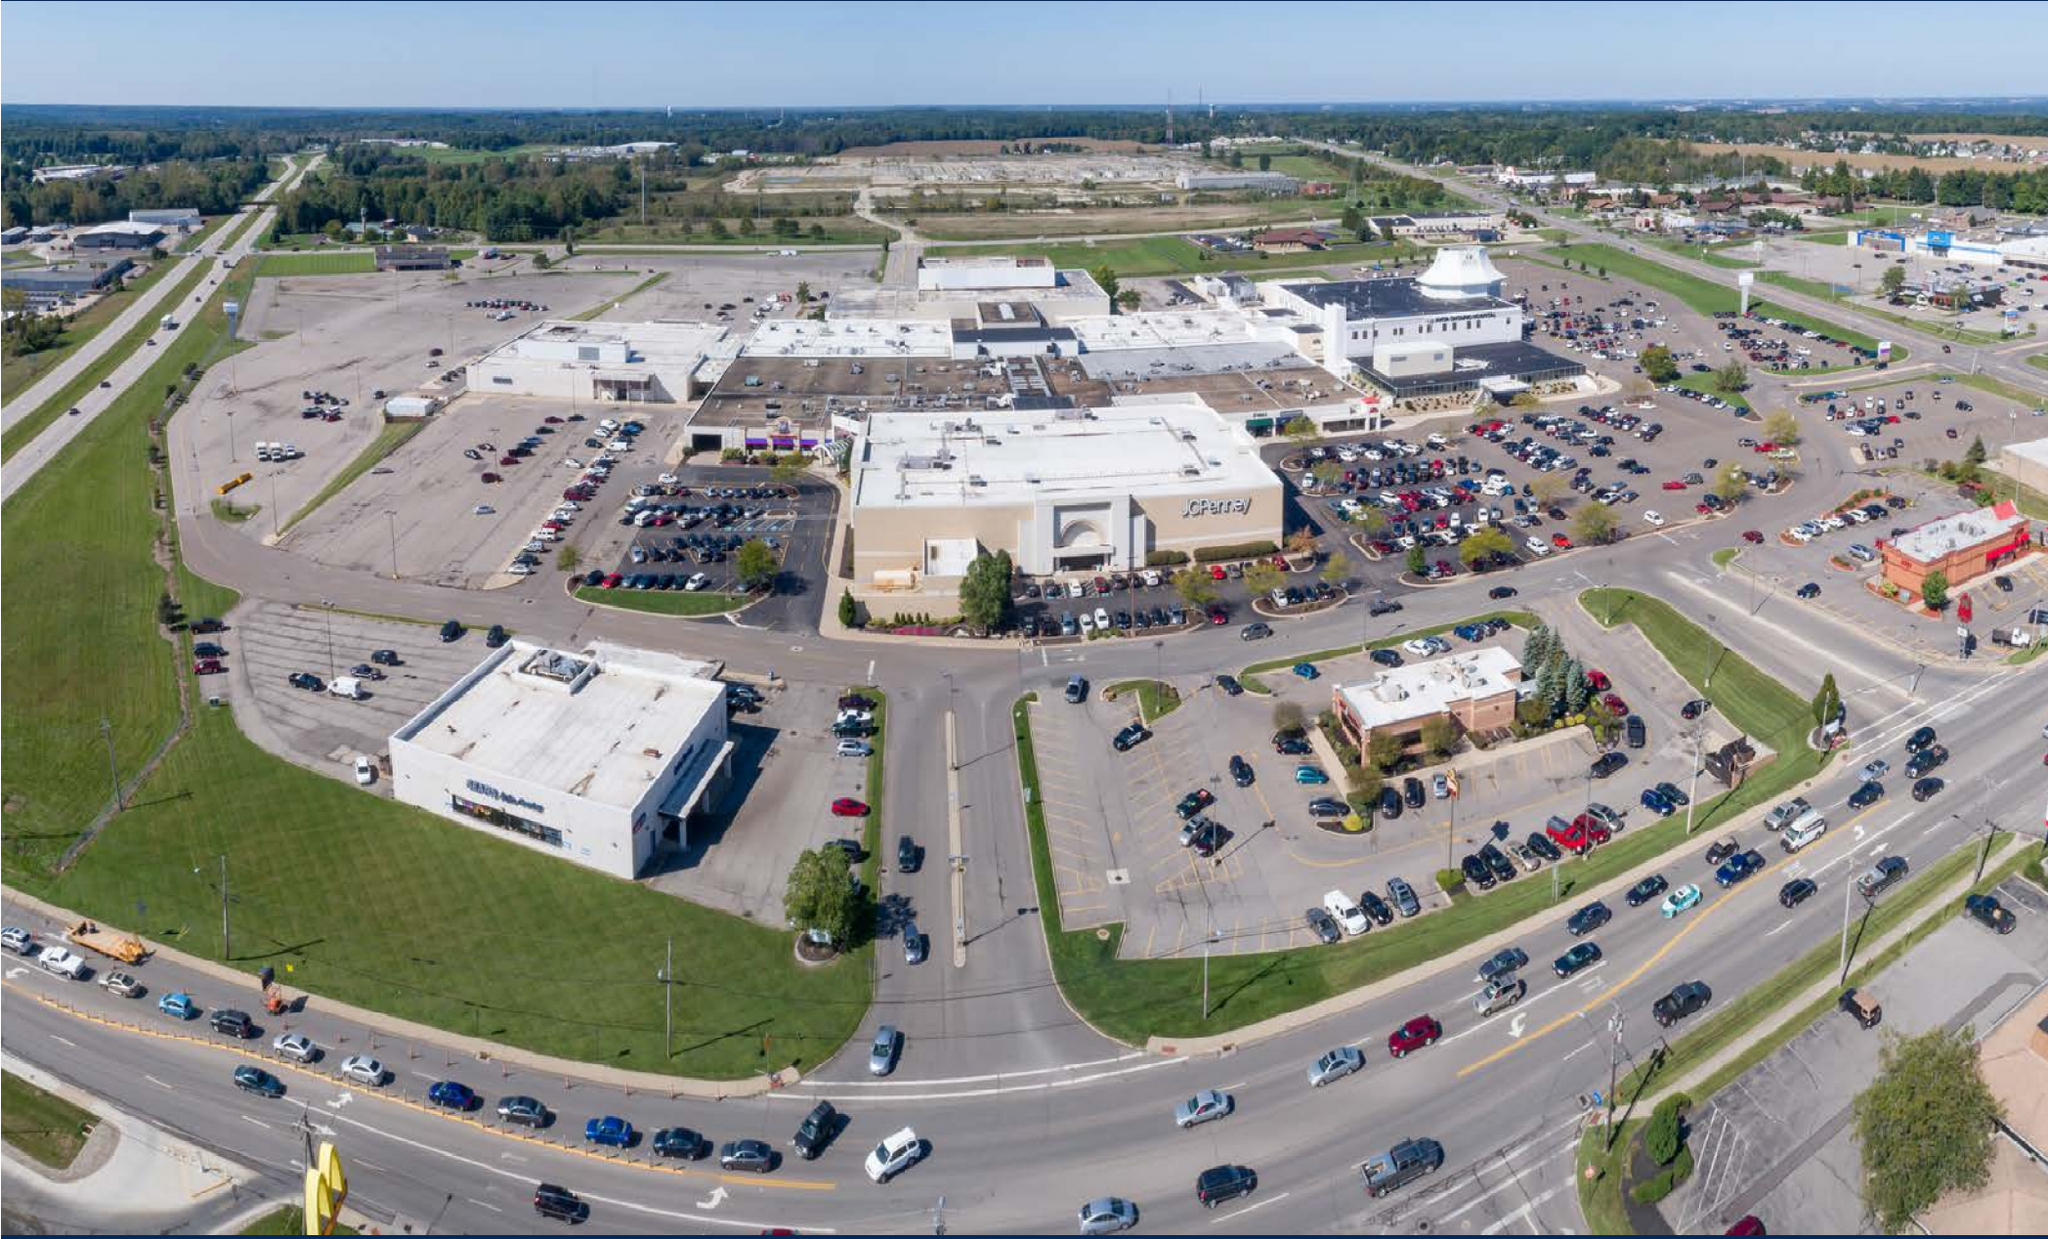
(607, 304)
(41, 1124)
(1133, 1000)
(1156, 699)
(390, 437)
(287, 1220)
(662, 601)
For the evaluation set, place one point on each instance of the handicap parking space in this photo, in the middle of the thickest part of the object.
(786, 777)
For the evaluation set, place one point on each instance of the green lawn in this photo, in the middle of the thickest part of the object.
(1726, 555)
(1156, 699)
(17, 373)
(602, 306)
(287, 1220)
(316, 264)
(1703, 296)
(42, 1125)
(1824, 238)
(1798, 284)
(1705, 383)
(663, 601)
(199, 235)
(422, 948)
(22, 258)
(391, 437)
(2038, 360)
(1136, 999)
(1711, 255)
(838, 230)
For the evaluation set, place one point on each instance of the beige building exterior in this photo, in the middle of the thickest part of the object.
(1062, 490)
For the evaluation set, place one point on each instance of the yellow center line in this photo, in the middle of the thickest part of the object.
(1607, 995)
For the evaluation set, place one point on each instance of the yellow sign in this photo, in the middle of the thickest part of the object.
(326, 1190)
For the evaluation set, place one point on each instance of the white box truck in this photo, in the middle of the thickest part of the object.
(346, 686)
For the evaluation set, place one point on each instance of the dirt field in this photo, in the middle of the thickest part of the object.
(2036, 141)
(977, 147)
(1797, 160)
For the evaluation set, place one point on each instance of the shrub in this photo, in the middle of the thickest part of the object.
(1241, 550)
(1165, 559)
(1662, 1138)
(1448, 880)
(1650, 1191)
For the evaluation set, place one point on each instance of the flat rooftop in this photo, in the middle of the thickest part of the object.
(602, 724)
(812, 389)
(1005, 457)
(878, 338)
(1472, 363)
(1938, 539)
(1425, 689)
(659, 344)
(1394, 297)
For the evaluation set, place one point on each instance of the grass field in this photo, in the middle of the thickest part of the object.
(17, 373)
(391, 437)
(199, 235)
(584, 988)
(436, 154)
(1823, 238)
(1178, 256)
(1711, 255)
(1136, 999)
(1798, 284)
(42, 1125)
(637, 289)
(316, 264)
(2038, 361)
(1726, 555)
(1084, 221)
(662, 602)
(839, 230)
(1701, 295)
(22, 258)
(1156, 699)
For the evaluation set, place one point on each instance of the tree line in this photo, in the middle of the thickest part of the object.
(213, 188)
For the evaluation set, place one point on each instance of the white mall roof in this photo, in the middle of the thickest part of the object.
(922, 460)
(1163, 329)
(657, 345)
(600, 725)
(1426, 689)
(880, 337)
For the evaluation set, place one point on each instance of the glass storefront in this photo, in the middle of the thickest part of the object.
(507, 821)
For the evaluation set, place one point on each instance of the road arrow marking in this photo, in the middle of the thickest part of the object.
(15, 972)
(1515, 1025)
(340, 1100)
(718, 1195)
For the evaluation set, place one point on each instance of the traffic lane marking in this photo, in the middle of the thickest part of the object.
(1236, 1214)
(1608, 993)
(1509, 1012)
(283, 1065)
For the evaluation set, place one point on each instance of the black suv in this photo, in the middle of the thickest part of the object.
(908, 855)
(1540, 844)
(1220, 1184)
(450, 631)
(1390, 803)
(1920, 739)
(232, 1022)
(1240, 771)
(1682, 1001)
(496, 637)
(1411, 791)
(1638, 735)
(1608, 763)
(1129, 736)
(1476, 872)
(1646, 890)
(1925, 760)
(384, 658)
(816, 1131)
(1497, 861)
(559, 1203)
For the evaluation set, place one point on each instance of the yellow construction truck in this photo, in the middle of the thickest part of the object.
(125, 947)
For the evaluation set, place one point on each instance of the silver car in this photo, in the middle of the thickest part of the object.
(1335, 1065)
(363, 1069)
(1202, 1107)
(1108, 1215)
(882, 1055)
(296, 1046)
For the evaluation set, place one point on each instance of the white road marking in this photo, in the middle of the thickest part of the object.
(483, 1204)
(153, 1080)
(1774, 933)
(717, 1198)
(1575, 1053)
(64, 1041)
(813, 1097)
(259, 1122)
(1270, 1200)
(1526, 1210)
(1000, 1075)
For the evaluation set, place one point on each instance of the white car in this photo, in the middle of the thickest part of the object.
(1537, 546)
(19, 941)
(1102, 618)
(572, 462)
(1799, 535)
(366, 771)
(1419, 646)
(1348, 914)
(62, 962)
(520, 570)
(894, 1155)
(1152, 578)
(696, 582)
(1087, 622)
(483, 509)
(1653, 519)
(1073, 589)
(363, 1069)
(296, 1046)
(854, 748)
(669, 479)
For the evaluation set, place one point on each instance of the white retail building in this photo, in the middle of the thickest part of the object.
(602, 362)
(599, 758)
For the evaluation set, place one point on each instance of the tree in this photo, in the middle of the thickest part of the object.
(849, 610)
(1195, 587)
(1105, 278)
(1782, 429)
(567, 558)
(1594, 523)
(1658, 365)
(1924, 1124)
(1548, 488)
(1366, 784)
(1337, 570)
(1417, 560)
(568, 241)
(803, 292)
(985, 596)
(1731, 483)
(1550, 686)
(1128, 300)
(1827, 701)
(1525, 399)
(1289, 717)
(787, 468)
(1731, 378)
(755, 564)
(820, 895)
(1261, 577)
(1326, 472)
(1300, 430)
(1487, 542)
(1541, 642)
(1265, 163)
(541, 261)
(1438, 736)
(1577, 689)
(1934, 590)
(1976, 454)
(1301, 542)
(1383, 751)
(1893, 279)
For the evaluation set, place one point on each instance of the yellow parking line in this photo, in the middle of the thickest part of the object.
(1607, 995)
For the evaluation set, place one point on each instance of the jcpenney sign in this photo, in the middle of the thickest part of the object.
(1216, 507)
(485, 789)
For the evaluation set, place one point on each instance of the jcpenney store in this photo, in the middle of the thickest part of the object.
(1062, 490)
(601, 758)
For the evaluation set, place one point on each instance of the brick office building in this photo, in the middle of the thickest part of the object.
(1962, 547)
(1475, 689)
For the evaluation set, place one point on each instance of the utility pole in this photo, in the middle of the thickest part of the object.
(1692, 793)
(1614, 1025)
(113, 768)
(1843, 968)
(1990, 833)
(668, 989)
(391, 520)
(328, 605)
(227, 950)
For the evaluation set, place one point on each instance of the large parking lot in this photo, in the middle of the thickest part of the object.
(1116, 837)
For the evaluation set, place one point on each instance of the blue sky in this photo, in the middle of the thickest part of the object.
(566, 54)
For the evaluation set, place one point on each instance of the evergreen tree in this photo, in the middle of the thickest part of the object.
(1576, 690)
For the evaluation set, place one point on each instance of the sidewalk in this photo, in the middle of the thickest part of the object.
(472, 1047)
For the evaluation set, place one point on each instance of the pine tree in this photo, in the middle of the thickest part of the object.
(1536, 650)
(1576, 690)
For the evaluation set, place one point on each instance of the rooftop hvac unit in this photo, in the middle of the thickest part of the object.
(975, 479)
(1031, 479)
(1190, 471)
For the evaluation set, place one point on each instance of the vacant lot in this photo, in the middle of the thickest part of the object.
(1179, 256)
(1798, 159)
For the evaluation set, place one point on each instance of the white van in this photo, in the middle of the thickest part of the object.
(346, 686)
(1810, 826)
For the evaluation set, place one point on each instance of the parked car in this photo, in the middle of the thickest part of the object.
(1991, 914)
(750, 1155)
(610, 1131)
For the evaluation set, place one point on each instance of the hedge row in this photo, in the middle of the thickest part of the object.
(1243, 550)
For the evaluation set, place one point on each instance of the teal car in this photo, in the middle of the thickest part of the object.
(1306, 671)
(179, 1006)
(1310, 774)
(1679, 900)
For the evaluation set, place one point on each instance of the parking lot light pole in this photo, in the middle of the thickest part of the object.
(328, 604)
(391, 520)
(113, 768)
(1990, 833)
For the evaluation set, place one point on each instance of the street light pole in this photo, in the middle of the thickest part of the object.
(113, 768)
(1847, 886)
(328, 605)
(227, 949)
(391, 520)
(1990, 833)
(668, 989)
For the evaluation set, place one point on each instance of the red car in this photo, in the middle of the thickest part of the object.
(847, 806)
(508, 460)
(1674, 484)
(1704, 509)
(553, 524)
(1599, 680)
(612, 581)
(493, 477)
(1766, 447)
(207, 666)
(1561, 542)
(552, 420)
(1413, 1035)
(1280, 562)
(1216, 573)
(1754, 536)
(1614, 704)
(1217, 615)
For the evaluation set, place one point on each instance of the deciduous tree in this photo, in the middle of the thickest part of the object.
(1658, 364)
(1438, 736)
(1194, 586)
(1934, 589)
(1337, 570)
(1261, 577)
(1782, 429)
(1924, 1124)
(1731, 484)
(1383, 751)
(1594, 523)
(985, 597)
(755, 564)
(1485, 543)
(1731, 378)
(820, 895)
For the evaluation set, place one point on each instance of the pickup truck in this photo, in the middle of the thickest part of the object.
(125, 947)
(62, 962)
(1784, 814)
(1885, 873)
(2015, 637)
(1401, 1165)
